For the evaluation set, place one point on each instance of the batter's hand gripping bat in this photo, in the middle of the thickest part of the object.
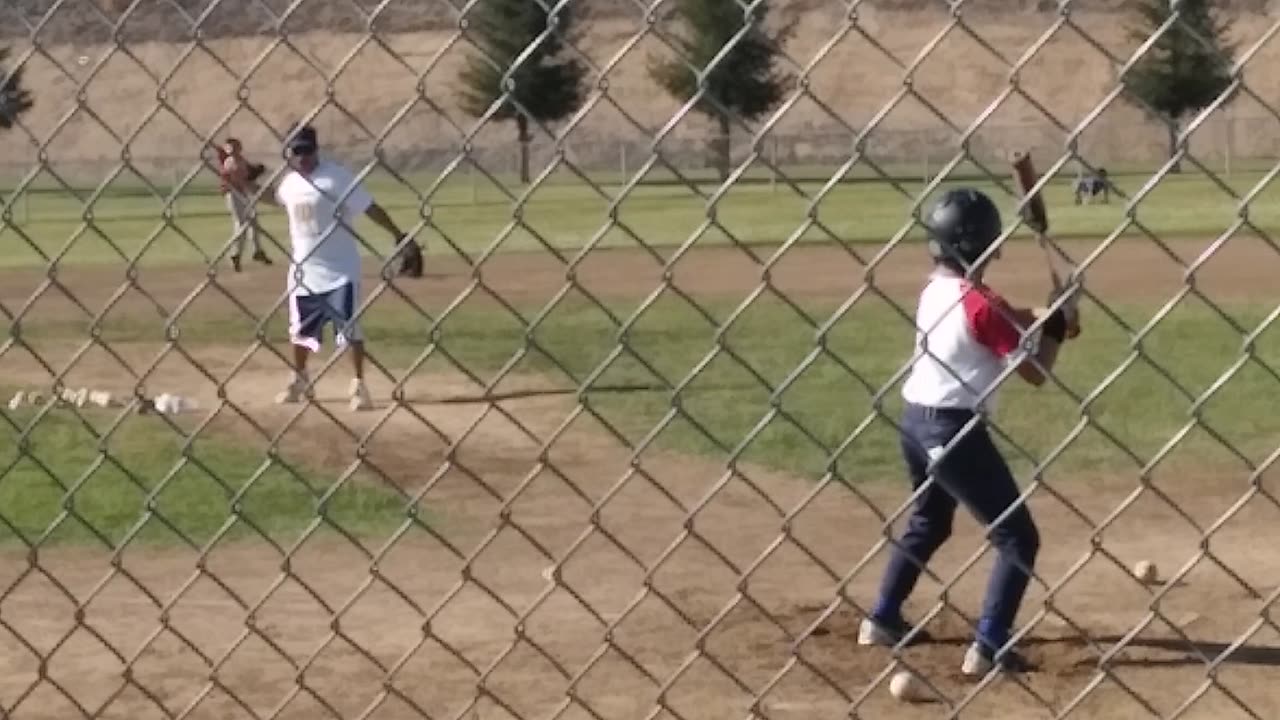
(1036, 217)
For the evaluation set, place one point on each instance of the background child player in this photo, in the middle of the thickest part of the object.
(322, 199)
(1092, 186)
(966, 333)
(238, 182)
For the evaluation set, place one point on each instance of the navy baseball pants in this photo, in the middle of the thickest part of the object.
(974, 473)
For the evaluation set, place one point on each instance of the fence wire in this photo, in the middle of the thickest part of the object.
(488, 618)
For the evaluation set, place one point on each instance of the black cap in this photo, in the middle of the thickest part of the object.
(303, 141)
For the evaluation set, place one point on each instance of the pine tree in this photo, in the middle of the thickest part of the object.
(548, 85)
(1188, 67)
(14, 99)
(744, 82)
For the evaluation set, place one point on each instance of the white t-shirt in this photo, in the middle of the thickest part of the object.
(970, 335)
(325, 249)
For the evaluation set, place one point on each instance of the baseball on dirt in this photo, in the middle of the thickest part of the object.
(1146, 571)
(905, 686)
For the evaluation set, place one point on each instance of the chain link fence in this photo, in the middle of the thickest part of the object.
(633, 453)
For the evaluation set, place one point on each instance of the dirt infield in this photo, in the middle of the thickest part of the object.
(648, 613)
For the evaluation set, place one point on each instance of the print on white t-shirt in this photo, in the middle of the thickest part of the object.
(323, 244)
(965, 337)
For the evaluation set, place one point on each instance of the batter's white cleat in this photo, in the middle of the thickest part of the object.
(294, 393)
(872, 632)
(359, 393)
(978, 661)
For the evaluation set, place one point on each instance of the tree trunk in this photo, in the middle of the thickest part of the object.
(1173, 127)
(522, 126)
(722, 147)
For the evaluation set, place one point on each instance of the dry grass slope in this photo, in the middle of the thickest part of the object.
(172, 20)
(162, 98)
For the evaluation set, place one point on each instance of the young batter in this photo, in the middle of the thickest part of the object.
(966, 336)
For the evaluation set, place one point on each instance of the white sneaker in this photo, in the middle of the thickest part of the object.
(871, 632)
(296, 390)
(359, 394)
(978, 664)
(975, 663)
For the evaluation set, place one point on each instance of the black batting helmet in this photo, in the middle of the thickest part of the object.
(962, 224)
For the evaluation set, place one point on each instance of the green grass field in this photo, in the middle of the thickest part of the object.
(764, 392)
(765, 396)
(69, 481)
(565, 214)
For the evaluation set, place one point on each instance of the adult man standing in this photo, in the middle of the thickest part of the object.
(238, 183)
(322, 199)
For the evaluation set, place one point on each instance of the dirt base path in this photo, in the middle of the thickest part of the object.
(679, 585)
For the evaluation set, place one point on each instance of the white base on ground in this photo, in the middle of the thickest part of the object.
(167, 403)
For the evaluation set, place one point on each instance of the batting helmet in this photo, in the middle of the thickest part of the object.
(962, 224)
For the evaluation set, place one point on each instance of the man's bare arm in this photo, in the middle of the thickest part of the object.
(384, 221)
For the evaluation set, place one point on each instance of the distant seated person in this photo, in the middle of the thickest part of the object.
(1090, 187)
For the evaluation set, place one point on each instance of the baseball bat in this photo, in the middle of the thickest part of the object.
(1036, 216)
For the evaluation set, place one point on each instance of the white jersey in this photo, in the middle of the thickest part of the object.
(969, 334)
(325, 249)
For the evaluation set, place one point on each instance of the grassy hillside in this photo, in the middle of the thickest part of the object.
(171, 20)
(161, 99)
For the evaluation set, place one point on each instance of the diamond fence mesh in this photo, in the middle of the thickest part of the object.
(633, 450)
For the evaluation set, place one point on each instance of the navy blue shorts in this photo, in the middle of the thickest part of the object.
(308, 315)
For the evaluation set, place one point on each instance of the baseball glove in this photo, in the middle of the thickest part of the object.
(407, 260)
(256, 170)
